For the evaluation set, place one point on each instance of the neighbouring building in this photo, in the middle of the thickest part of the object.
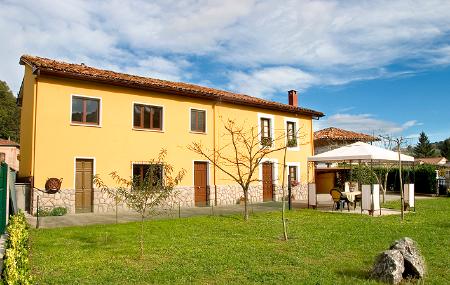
(79, 121)
(9, 153)
(438, 161)
(329, 139)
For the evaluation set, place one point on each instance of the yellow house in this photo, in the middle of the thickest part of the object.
(79, 121)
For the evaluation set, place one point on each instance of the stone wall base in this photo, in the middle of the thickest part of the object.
(182, 196)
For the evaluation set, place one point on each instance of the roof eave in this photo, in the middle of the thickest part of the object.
(169, 90)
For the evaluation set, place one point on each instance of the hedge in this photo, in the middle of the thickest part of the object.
(16, 269)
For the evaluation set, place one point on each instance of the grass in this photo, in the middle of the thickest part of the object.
(324, 248)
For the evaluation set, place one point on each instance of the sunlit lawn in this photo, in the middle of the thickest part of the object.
(324, 248)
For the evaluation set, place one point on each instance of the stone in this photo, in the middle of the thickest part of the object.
(414, 261)
(389, 267)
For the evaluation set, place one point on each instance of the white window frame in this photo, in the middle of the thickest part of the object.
(274, 162)
(100, 111)
(272, 127)
(295, 121)
(296, 164)
(94, 169)
(150, 105)
(206, 120)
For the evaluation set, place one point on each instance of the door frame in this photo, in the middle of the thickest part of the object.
(94, 171)
(207, 177)
(94, 168)
(274, 162)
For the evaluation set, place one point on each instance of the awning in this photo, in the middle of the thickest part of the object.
(359, 151)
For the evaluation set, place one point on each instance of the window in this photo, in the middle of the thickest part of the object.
(293, 174)
(147, 117)
(266, 136)
(142, 170)
(2, 157)
(198, 120)
(85, 110)
(291, 134)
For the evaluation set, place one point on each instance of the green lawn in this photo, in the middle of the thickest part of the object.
(325, 248)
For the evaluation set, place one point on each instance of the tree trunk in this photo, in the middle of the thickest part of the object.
(117, 206)
(142, 236)
(246, 204)
(402, 200)
(283, 207)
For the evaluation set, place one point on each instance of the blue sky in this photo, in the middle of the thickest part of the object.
(379, 67)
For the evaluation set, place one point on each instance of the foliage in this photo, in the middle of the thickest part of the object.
(364, 174)
(423, 147)
(144, 194)
(425, 179)
(57, 211)
(324, 248)
(444, 148)
(16, 265)
(292, 142)
(9, 114)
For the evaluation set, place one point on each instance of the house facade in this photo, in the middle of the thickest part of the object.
(9, 153)
(78, 121)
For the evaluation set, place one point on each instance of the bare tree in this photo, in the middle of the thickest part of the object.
(112, 193)
(146, 192)
(240, 155)
(384, 169)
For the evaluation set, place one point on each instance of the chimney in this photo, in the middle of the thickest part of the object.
(293, 99)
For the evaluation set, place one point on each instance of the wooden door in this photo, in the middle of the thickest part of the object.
(200, 183)
(267, 181)
(83, 185)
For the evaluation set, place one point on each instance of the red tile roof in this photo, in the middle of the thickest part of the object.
(432, 160)
(8, 143)
(344, 135)
(80, 71)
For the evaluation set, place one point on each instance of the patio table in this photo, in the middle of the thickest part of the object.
(351, 195)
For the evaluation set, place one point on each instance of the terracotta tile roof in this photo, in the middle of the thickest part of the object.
(8, 143)
(344, 135)
(432, 160)
(80, 71)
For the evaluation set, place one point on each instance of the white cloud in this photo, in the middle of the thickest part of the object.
(267, 81)
(335, 41)
(365, 123)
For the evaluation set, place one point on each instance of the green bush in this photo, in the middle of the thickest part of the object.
(57, 211)
(425, 177)
(16, 269)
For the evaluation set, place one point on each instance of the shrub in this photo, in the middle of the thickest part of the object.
(16, 268)
(425, 178)
(57, 211)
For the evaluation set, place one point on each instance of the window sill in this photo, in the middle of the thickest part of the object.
(148, 130)
(85, 125)
(198, 133)
(293, 148)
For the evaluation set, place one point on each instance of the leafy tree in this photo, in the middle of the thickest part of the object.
(9, 113)
(423, 147)
(145, 194)
(444, 147)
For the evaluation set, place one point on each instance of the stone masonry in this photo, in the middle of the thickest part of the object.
(182, 196)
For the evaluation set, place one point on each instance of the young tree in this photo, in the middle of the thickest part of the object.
(382, 172)
(423, 147)
(145, 194)
(240, 155)
(444, 147)
(113, 193)
(9, 114)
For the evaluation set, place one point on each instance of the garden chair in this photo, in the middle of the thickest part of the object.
(339, 200)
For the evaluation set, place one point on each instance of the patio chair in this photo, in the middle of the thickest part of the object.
(339, 200)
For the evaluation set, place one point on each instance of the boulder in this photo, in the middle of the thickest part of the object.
(413, 260)
(389, 267)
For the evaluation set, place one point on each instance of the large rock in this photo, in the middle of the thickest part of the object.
(414, 261)
(389, 267)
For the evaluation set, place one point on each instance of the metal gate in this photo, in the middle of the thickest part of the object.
(3, 195)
